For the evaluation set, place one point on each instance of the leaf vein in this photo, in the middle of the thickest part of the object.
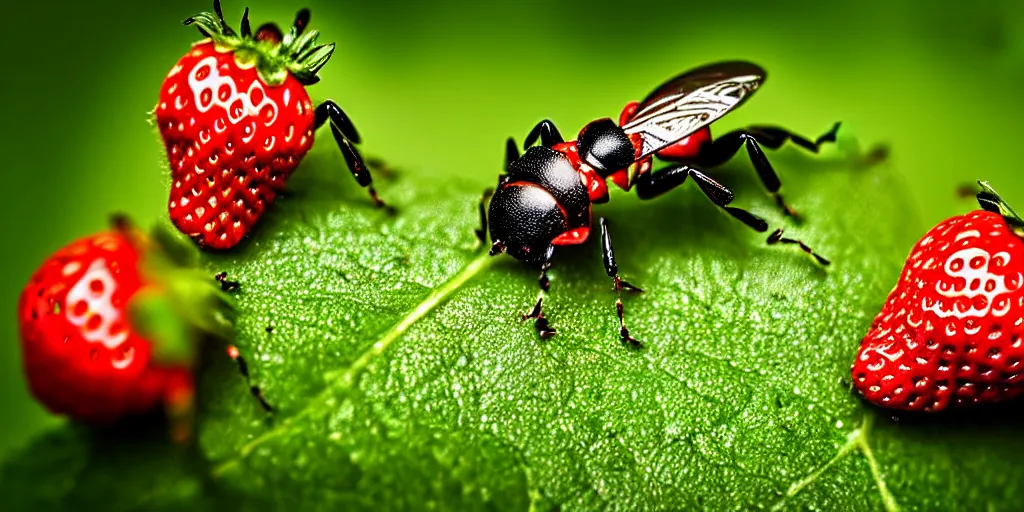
(865, 447)
(343, 380)
(858, 439)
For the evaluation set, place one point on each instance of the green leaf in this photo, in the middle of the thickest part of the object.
(403, 378)
(132, 467)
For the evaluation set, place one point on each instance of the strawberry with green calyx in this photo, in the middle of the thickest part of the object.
(236, 121)
(110, 327)
(952, 330)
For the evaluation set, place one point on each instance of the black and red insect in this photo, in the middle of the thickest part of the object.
(544, 199)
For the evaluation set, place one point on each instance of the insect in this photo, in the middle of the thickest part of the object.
(950, 331)
(236, 121)
(545, 197)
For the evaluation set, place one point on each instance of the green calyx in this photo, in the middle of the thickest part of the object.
(274, 55)
(990, 201)
(183, 305)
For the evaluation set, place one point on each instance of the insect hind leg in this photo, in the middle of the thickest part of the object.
(723, 148)
(773, 137)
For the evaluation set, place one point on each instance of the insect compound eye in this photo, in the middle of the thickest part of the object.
(525, 218)
(605, 146)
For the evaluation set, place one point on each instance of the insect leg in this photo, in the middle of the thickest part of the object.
(545, 265)
(234, 354)
(355, 163)
(653, 184)
(226, 284)
(345, 135)
(547, 132)
(540, 323)
(511, 152)
(612, 269)
(243, 368)
(650, 185)
(773, 137)
(481, 234)
(511, 155)
(330, 111)
(777, 238)
(725, 147)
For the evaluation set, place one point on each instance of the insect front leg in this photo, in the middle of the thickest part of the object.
(726, 146)
(345, 135)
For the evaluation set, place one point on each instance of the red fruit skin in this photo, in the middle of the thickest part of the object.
(232, 142)
(951, 330)
(80, 354)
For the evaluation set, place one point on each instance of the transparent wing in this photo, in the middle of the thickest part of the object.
(692, 101)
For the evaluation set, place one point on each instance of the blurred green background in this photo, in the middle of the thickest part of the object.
(435, 87)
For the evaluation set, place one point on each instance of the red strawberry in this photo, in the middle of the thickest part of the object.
(108, 326)
(952, 330)
(236, 120)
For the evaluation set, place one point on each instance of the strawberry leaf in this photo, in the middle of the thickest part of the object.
(402, 377)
